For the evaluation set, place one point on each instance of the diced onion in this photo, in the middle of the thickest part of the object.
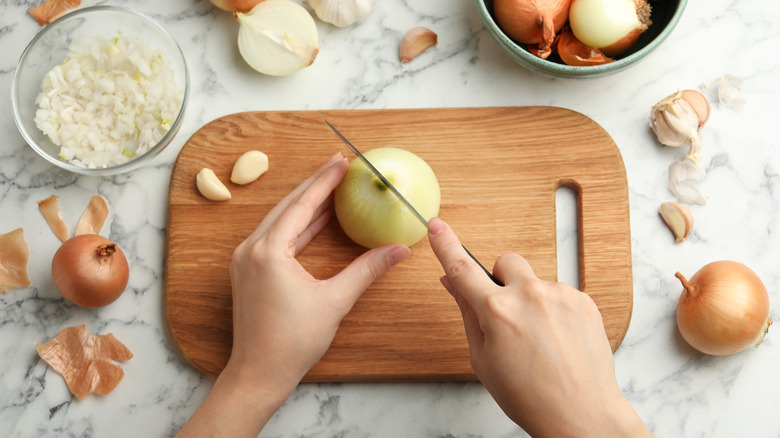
(109, 101)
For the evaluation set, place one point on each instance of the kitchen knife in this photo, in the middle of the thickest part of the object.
(401, 197)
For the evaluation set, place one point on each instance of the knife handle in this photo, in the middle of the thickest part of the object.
(495, 280)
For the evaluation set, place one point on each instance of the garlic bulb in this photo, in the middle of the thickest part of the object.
(676, 123)
(277, 37)
(342, 13)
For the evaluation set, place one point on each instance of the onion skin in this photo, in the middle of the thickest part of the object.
(235, 5)
(90, 270)
(532, 21)
(573, 52)
(723, 309)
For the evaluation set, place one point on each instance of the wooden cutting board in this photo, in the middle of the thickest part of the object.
(498, 169)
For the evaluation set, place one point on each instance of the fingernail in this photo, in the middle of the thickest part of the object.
(435, 225)
(397, 254)
(334, 158)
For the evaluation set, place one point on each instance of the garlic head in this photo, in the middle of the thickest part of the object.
(676, 123)
(277, 37)
(342, 13)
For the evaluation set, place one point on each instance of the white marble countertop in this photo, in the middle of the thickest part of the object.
(678, 392)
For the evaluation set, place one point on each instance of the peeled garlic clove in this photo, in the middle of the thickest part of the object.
(210, 186)
(249, 167)
(678, 218)
(416, 41)
(342, 13)
(277, 37)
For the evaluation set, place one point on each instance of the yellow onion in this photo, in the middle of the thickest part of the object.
(370, 214)
(532, 21)
(723, 309)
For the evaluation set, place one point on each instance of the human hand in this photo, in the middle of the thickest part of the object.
(539, 347)
(284, 319)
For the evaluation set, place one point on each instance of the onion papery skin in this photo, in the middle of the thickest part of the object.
(532, 21)
(370, 214)
(90, 270)
(611, 26)
(723, 309)
(235, 5)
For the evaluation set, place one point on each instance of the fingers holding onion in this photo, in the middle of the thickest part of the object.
(90, 270)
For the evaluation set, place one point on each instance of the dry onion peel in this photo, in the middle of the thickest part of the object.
(51, 211)
(573, 52)
(94, 217)
(235, 5)
(51, 10)
(14, 256)
(85, 360)
(723, 309)
(532, 21)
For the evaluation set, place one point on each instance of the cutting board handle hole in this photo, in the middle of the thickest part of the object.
(567, 234)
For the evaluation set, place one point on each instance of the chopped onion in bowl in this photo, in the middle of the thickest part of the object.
(109, 101)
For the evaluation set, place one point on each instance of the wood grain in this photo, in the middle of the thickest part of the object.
(498, 169)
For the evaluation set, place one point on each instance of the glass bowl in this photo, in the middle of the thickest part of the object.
(50, 47)
(665, 16)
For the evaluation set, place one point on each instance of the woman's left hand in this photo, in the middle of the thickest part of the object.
(284, 319)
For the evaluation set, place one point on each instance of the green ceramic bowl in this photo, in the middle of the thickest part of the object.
(665, 16)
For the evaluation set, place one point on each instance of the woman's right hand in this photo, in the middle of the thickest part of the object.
(539, 348)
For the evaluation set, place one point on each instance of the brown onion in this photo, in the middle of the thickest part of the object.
(90, 270)
(532, 21)
(723, 309)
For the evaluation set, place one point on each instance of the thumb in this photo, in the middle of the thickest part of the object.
(353, 280)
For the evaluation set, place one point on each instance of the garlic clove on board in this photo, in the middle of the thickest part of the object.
(676, 123)
(678, 218)
(249, 166)
(342, 13)
(277, 37)
(416, 41)
(210, 186)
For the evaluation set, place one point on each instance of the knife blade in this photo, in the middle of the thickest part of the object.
(401, 197)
